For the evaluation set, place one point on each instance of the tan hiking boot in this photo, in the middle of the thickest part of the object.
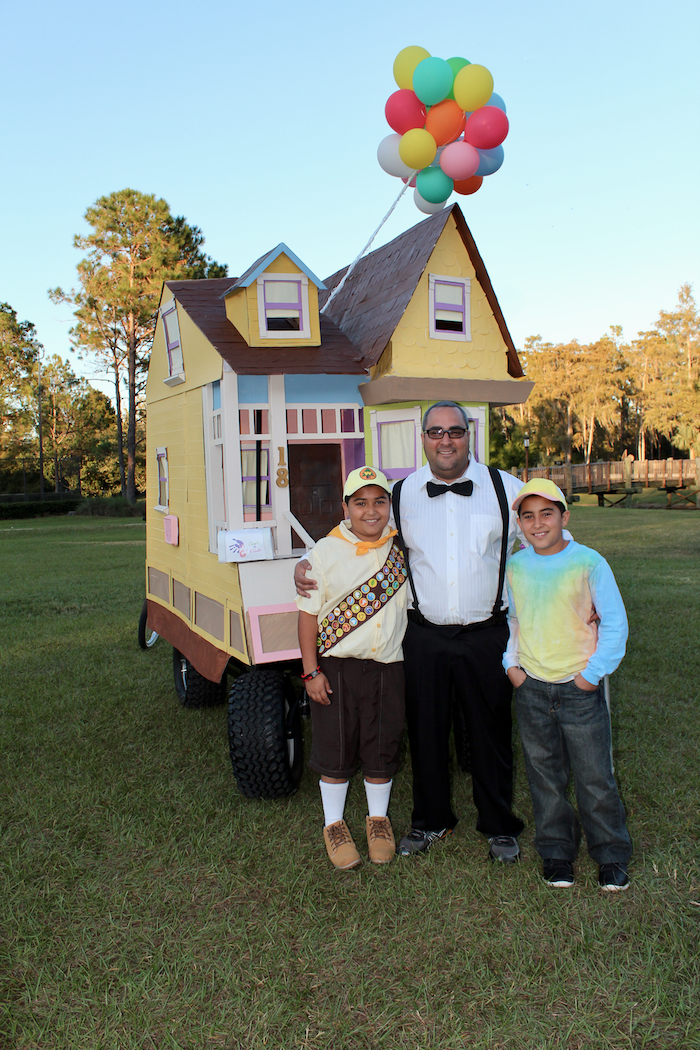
(341, 848)
(380, 839)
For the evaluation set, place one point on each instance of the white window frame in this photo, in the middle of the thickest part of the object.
(304, 325)
(377, 417)
(173, 348)
(463, 282)
(214, 445)
(162, 454)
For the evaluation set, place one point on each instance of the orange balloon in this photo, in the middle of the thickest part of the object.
(468, 186)
(445, 121)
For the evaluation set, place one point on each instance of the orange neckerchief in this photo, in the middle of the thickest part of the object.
(364, 545)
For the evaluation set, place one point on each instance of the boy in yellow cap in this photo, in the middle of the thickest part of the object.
(350, 634)
(556, 657)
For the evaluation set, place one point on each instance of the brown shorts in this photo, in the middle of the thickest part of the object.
(363, 723)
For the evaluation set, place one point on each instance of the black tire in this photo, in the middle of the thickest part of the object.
(461, 738)
(264, 734)
(192, 688)
(147, 638)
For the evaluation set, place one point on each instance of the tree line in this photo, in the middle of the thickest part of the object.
(590, 401)
(86, 443)
(602, 400)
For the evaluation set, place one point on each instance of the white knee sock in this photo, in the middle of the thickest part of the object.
(333, 799)
(378, 798)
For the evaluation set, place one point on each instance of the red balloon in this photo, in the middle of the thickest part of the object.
(486, 128)
(404, 111)
(469, 185)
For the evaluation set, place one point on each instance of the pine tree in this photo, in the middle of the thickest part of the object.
(135, 244)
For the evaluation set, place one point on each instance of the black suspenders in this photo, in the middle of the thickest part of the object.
(496, 614)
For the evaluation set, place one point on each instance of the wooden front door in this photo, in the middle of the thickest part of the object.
(316, 487)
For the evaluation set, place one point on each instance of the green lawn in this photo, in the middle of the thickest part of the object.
(145, 904)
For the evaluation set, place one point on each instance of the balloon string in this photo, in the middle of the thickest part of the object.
(356, 260)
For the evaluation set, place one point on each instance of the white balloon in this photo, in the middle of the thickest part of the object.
(427, 206)
(389, 159)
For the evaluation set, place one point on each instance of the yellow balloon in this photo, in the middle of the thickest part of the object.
(405, 63)
(417, 148)
(473, 87)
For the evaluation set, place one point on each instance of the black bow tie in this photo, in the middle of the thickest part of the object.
(462, 488)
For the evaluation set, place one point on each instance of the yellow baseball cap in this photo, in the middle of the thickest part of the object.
(540, 487)
(361, 476)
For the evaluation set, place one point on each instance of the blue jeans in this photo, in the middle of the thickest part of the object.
(565, 729)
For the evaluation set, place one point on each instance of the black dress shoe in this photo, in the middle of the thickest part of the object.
(417, 841)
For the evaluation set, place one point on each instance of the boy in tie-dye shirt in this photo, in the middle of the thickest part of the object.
(556, 658)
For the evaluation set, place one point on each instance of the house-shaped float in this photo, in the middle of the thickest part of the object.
(259, 403)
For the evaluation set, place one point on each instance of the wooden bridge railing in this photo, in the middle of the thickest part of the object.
(647, 473)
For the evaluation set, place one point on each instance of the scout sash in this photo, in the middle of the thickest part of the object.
(363, 602)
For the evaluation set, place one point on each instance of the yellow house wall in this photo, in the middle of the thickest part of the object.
(282, 264)
(202, 362)
(175, 422)
(237, 311)
(412, 351)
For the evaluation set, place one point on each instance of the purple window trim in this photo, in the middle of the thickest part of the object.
(393, 473)
(449, 307)
(289, 305)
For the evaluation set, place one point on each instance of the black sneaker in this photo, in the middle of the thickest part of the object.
(417, 841)
(504, 848)
(613, 877)
(558, 873)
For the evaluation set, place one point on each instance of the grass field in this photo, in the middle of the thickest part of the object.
(145, 904)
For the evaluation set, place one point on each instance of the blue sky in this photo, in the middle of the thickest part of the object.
(260, 123)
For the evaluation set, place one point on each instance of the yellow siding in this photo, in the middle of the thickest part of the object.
(414, 353)
(176, 423)
(237, 311)
(202, 362)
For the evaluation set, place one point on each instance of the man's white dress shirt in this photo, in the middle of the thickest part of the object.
(454, 543)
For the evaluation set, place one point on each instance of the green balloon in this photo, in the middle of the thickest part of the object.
(433, 185)
(455, 65)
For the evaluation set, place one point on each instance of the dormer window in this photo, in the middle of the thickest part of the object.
(283, 306)
(449, 308)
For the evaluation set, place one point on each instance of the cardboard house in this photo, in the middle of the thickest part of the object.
(259, 403)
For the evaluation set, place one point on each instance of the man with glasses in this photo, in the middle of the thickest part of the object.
(451, 518)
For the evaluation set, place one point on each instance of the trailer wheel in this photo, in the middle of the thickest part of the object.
(147, 638)
(192, 688)
(264, 733)
(461, 738)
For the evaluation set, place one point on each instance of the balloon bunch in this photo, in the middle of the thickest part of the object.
(449, 125)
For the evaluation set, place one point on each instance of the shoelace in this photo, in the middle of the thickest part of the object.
(338, 834)
(379, 828)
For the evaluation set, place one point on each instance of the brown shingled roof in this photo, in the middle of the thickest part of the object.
(203, 303)
(376, 294)
(363, 315)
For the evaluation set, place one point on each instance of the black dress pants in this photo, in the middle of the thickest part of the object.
(440, 660)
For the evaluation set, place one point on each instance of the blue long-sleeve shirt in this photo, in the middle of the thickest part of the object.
(550, 600)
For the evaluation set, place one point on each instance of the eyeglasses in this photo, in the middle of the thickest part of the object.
(435, 433)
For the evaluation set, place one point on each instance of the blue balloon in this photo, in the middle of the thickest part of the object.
(496, 100)
(491, 160)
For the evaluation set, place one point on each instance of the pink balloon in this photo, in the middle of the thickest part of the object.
(459, 160)
(404, 111)
(411, 182)
(486, 128)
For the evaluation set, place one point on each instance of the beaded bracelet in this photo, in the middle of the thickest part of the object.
(308, 677)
